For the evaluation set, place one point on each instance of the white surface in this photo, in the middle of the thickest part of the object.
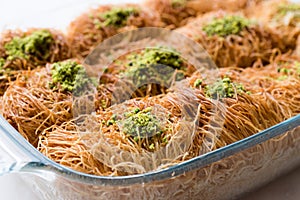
(58, 14)
(42, 13)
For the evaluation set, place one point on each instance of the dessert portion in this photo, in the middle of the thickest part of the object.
(94, 26)
(21, 51)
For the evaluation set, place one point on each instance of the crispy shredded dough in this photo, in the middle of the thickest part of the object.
(193, 124)
(59, 50)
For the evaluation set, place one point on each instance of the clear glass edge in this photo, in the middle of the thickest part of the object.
(41, 163)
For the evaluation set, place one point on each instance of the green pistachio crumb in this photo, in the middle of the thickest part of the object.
(282, 78)
(224, 88)
(151, 146)
(36, 44)
(2, 63)
(228, 25)
(283, 9)
(112, 120)
(97, 23)
(148, 109)
(283, 70)
(136, 110)
(165, 139)
(178, 3)
(71, 77)
(136, 139)
(159, 55)
(114, 117)
(117, 17)
(103, 103)
(140, 124)
(109, 122)
(156, 64)
(198, 82)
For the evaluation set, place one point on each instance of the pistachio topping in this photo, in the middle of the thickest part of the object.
(178, 3)
(117, 16)
(198, 82)
(282, 78)
(36, 44)
(2, 63)
(287, 70)
(141, 124)
(112, 120)
(283, 9)
(228, 25)
(156, 64)
(159, 55)
(70, 76)
(224, 88)
(283, 70)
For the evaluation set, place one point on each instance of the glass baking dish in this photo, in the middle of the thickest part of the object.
(225, 173)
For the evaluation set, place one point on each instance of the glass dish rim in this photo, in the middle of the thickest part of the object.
(42, 163)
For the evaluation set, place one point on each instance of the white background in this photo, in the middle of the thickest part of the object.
(58, 14)
(42, 13)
